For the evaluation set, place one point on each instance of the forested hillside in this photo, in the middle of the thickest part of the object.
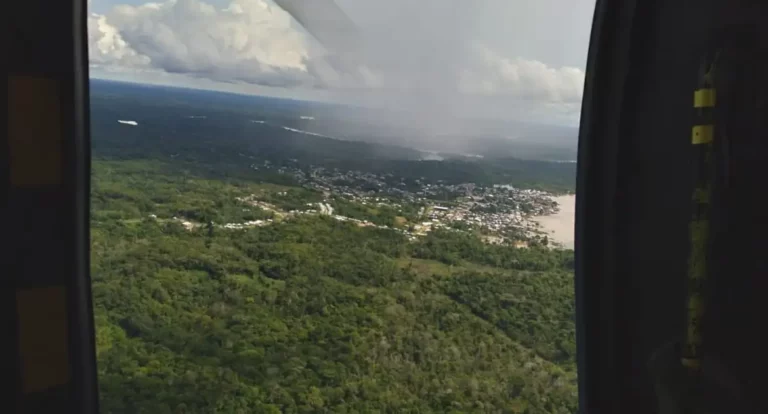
(240, 265)
(309, 314)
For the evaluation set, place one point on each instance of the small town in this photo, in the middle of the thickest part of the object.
(504, 214)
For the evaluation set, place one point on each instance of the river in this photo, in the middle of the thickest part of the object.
(560, 227)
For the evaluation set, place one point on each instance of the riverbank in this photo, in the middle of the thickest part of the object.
(560, 227)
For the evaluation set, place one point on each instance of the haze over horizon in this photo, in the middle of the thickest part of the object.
(444, 65)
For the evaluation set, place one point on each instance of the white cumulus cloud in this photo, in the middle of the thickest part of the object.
(493, 74)
(256, 42)
(107, 46)
(249, 41)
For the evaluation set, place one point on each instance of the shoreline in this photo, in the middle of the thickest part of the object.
(560, 227)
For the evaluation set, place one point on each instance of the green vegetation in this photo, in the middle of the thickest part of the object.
(135, 189)
(226, 143)
(453, 247)
(377, 213)
(310, 314)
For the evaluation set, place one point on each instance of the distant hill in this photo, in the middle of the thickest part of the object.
(173, 118)
(225, 133)
(487, 138)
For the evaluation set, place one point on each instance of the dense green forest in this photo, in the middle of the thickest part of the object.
(237, 131)
(310, 314)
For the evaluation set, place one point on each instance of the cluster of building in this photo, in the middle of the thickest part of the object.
(247, 224)
(499, 207)
(500, 210)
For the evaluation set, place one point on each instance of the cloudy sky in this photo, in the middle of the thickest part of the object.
(516, 59)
